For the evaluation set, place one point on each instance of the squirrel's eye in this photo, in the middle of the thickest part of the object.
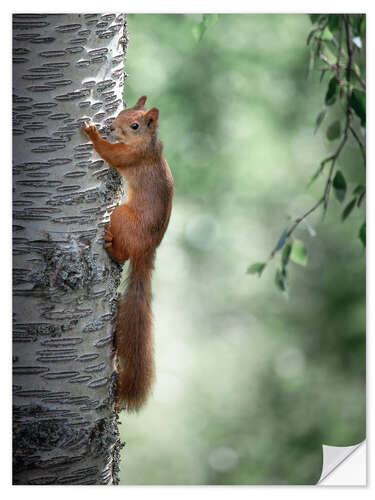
(134, 126)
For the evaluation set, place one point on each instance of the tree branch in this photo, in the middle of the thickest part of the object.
(333, 158)
(360, 144)
(344, 81)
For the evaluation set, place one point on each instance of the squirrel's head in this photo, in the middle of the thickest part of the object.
(134, 125)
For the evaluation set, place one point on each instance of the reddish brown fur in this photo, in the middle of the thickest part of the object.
(136, 228)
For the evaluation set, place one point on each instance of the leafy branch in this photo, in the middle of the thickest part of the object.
(337, 42)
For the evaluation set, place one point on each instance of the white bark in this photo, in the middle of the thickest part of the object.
(67, 68)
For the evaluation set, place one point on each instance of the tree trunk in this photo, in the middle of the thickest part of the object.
(67, 68)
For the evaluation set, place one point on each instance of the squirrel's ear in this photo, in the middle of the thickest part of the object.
(152, 117)
(141, 102)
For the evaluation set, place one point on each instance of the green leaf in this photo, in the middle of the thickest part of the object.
(326, 35)
(361, 198)
(280, 280)
(358, 104)
(319, 119)
(357, 69)
(362, 234)
(359, 189)
(332, 58)
(281, 241)
(339, 186)
(332, 91)
(286, 254)
(198, 31)
(333, 131)
(208, 20)
(333, 22)
(256, 268)
(299, 253)
(348, 209)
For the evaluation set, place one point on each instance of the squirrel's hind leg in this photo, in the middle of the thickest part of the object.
(114, 253)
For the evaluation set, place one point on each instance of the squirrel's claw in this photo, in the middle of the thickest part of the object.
(108, 236)
(88, 127)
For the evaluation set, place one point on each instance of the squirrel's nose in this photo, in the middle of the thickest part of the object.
(112, 128)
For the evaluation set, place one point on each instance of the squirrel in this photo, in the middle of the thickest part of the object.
(136, 228)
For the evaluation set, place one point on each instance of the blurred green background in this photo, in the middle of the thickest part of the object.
(250, 383)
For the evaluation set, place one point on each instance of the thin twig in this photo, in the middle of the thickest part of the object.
(360, 144)
(363, 84)
(299, 219)
(312, 32)
(348, 48)
(325, 197)
(327, 189)
(332, 67)
(339, 49)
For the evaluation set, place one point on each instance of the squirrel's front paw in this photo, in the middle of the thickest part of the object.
(88, 128)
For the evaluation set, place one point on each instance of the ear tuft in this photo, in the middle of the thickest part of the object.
(141, 102)
(152, 117)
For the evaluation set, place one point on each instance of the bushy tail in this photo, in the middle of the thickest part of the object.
(134, 342)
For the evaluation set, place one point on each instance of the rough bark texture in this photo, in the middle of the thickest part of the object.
(67, 68)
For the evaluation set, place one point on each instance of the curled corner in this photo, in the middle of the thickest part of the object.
(333, 456)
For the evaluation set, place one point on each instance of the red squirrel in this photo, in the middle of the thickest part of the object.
(136, 228)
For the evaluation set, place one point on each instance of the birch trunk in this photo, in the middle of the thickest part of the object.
(66, 68)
